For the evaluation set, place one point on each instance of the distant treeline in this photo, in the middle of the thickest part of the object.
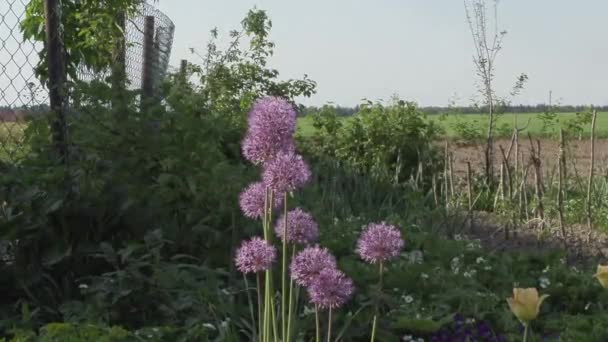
(432, 110)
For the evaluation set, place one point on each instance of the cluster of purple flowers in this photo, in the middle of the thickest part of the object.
(255, 255)
(380, 242)
(301, 227)
(462, 330)
(269, 143)
(315, 268)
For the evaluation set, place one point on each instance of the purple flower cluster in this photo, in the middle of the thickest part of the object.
(286, 172)
(269, 143)
(460, 331)
(315, 268)
(252, 200)
(255, 255)
(301, 227)
(331, 289)
(272, 123)
(379, 242)
(307, 264)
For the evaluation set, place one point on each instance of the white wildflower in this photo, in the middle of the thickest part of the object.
(544, 282)
(408, 299)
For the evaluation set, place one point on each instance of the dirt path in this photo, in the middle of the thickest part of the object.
(577, 155)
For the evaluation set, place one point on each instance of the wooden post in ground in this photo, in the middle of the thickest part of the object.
(590, 182)
(470, 196)
(56, 76)
(560, 185)
(149, 61)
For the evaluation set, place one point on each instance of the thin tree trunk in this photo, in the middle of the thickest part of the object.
(590, 183)
(560, 185)
(470, 195)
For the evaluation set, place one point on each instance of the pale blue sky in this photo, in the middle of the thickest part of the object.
(419, 49)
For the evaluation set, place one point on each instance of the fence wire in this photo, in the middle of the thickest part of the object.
(22, 96)
(21, 93)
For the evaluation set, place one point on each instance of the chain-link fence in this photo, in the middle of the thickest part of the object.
(22, 95)
(20, 90)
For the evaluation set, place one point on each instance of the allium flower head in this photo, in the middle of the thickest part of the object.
(273, 114)
(301, 227)
(272, 123)
(286, 172)
(307, 264)
(255, 255)
(379, 242)
(259, 147)
(331, 289)
(252, 200)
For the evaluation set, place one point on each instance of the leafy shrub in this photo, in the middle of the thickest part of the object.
(386, 142)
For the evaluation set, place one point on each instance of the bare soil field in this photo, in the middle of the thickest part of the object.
(578, 155)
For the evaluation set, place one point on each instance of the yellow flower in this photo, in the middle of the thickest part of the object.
(602, 275)
(525, 304)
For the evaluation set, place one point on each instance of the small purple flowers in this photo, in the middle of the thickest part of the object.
(330, 289)
(307, 264)
(286, 172)
(252, 200)
(272, 123)
(379, 242)
(255, 255)
(301, 227)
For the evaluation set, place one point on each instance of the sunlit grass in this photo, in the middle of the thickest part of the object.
(11, 141)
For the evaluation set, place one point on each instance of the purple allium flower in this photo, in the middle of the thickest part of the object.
(259, 148)
(307, 264)
(301, 227)
(255, 255)
(379, 242)
(331, 289)
(252, 200)
(272, 123)
(286, 172)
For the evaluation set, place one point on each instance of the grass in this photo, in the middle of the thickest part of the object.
(11, 137)
(305, 124)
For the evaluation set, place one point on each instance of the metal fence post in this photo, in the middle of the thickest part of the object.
(148, 63)
(56, 81)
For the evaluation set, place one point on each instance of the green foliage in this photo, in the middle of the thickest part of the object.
(468, 131)
(92, 31)
(229, 81)
(146, 209)
(386, 142)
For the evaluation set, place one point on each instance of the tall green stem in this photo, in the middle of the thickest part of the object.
(291, 300)
(284, 317)
(377, 305)
(258, 278)
(526, 331)
(329, 326)
(317, 323)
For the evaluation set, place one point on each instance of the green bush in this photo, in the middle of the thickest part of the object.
(386, 142)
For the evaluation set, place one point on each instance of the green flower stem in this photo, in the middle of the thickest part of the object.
(317, 323)
(329, 326)
(291, 299)
(377, 304)
(284, 317)
(258, 278)
(526, 328)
